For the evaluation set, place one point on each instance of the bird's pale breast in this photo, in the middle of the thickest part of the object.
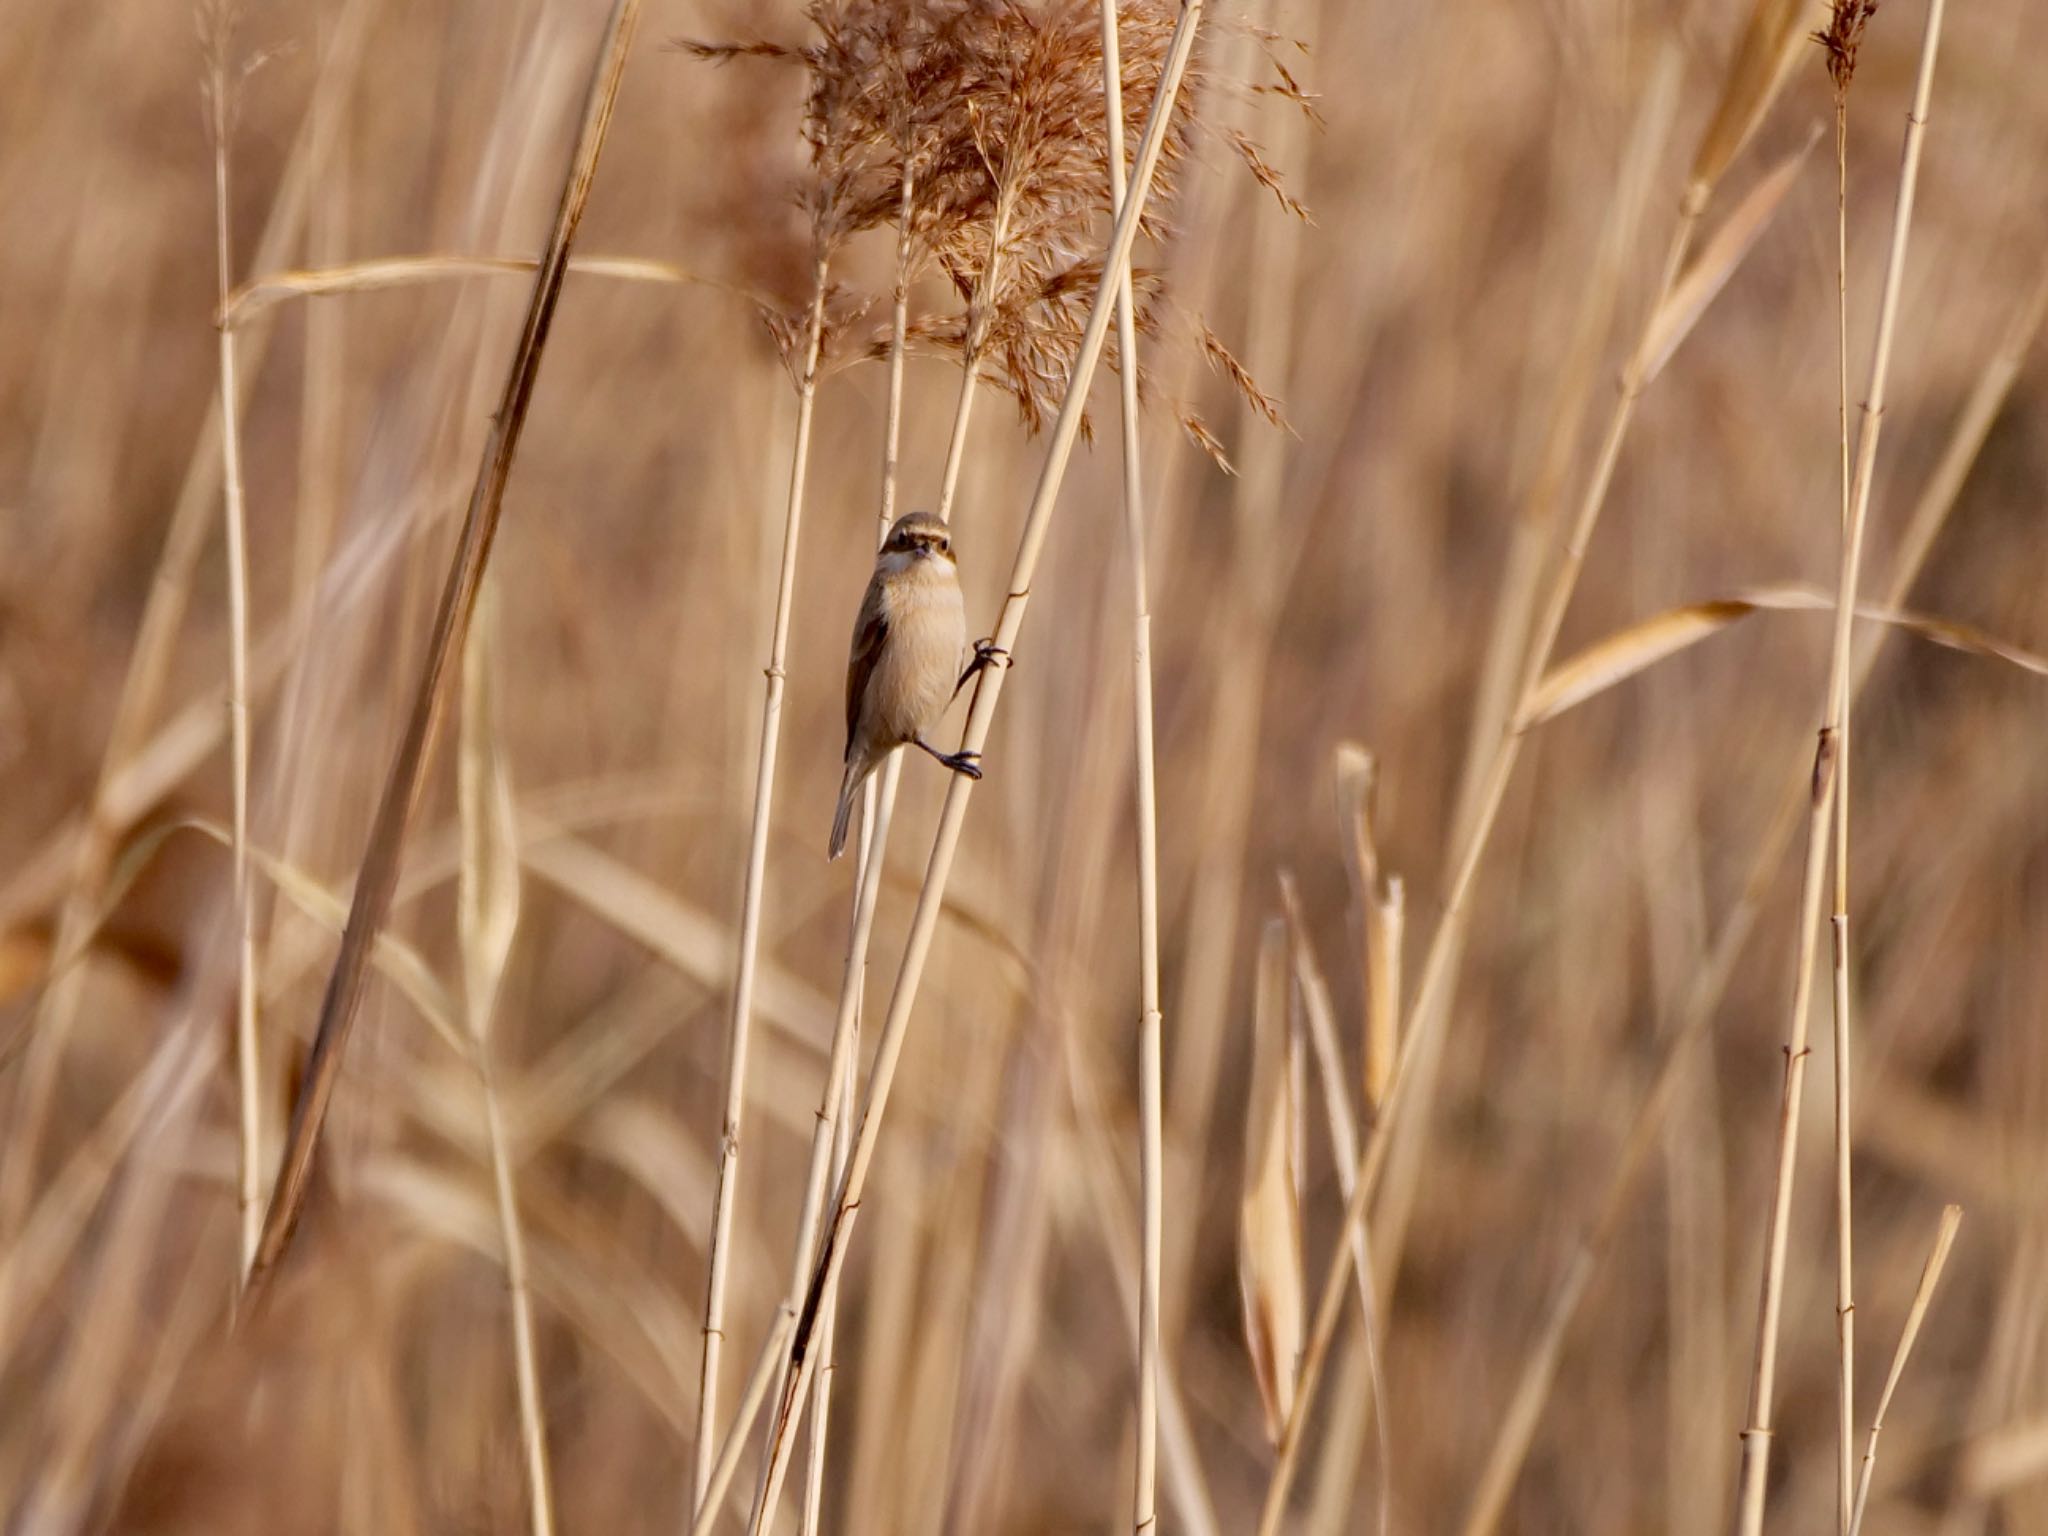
(918, 667)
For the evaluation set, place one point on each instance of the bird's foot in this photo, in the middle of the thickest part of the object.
(986, 654)
(968, 763)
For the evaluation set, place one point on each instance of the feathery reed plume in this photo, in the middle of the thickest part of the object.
(974, 126)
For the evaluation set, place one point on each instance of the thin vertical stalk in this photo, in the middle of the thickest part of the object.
(526, 1367)
(879, 804)
(1845, 1267)
(740, 1023)
(1756, 1434)
(249, 1161)
(823, 1280)
(1151, 1131)
(377, 880)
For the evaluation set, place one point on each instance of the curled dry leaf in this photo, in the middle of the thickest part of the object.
(1620, 656)
(1269, 1266)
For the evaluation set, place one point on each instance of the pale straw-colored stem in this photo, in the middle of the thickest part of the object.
(1845, 1266)
(532, 1422)
(1756, 1434)
(767, 1364)
(249, 1149)
(1151, 1132)
(1930, 1276)
(1426, 1014)
(820, 1176)
(879, 792)
(824, 1278)
(751, 900)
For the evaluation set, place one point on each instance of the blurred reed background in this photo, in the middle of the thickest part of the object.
(1569, 1220)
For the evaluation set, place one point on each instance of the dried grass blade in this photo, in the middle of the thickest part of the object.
(1770, 39)
(487, 881)
(1620, 656)
(1722, 253)
(1269, 1267)
(377, 273)
(379, 876)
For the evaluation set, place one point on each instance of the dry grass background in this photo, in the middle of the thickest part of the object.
(1444, 340)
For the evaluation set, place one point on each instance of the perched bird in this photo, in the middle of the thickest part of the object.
(909, 646)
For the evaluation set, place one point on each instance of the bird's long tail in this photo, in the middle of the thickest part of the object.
(849, 790)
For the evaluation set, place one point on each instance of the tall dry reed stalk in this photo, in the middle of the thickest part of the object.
(1151, 1021)
(1842, 40)
(223, 77)
(1757, 1431)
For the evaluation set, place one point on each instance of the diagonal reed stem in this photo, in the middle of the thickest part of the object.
(378, 877)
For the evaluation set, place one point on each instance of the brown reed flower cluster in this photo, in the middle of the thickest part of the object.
(1842, 37)
(975, 130)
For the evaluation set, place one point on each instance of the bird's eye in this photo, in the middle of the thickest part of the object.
(945, 546)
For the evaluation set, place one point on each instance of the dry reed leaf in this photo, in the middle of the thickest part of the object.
(487, 881)
(1770, 39)
(261, 293)
(698, 946)
(1723, 252)
(1620, 656)
(1269, 1264)
(1382, 905)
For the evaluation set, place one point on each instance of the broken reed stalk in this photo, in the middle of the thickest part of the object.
(824, 1277)
(378, 877)
(1426, 1014)
(234, 523)
(752, 892)
(1756, 1434)
(1930, 1276)
(1151, 1129)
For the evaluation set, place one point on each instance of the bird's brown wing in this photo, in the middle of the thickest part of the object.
(870, 634)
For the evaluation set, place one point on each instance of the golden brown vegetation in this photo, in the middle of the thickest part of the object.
(1477, 701)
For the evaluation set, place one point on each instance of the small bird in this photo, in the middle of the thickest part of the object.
(909, 644)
